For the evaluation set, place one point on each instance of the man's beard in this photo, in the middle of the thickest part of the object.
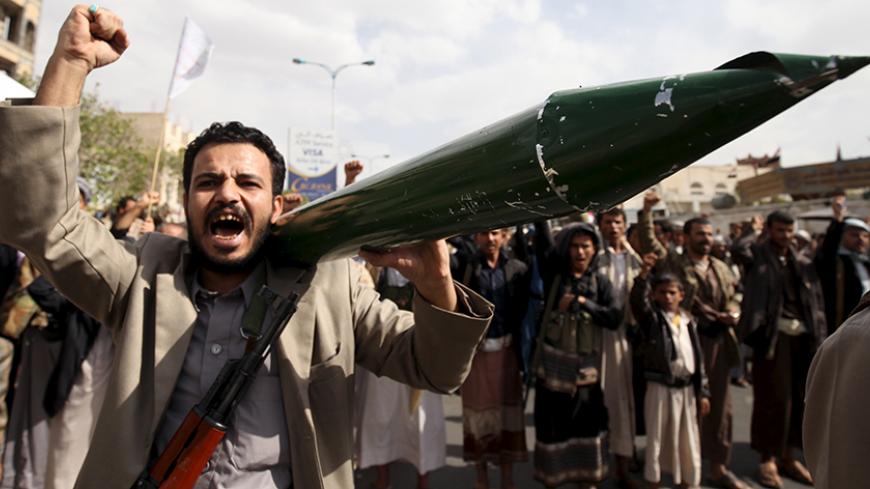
(701, 249)
(227, 266)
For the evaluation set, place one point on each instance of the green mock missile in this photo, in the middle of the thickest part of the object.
(582, 149)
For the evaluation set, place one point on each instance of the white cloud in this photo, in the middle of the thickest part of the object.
(447, 68)
(802, 25)
(456, 18)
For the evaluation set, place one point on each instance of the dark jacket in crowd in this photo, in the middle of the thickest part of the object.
(553, 257)
(77, 332)
(840, 281)
(657, 342)
(763, 294)
(8, 268)
(467, 267)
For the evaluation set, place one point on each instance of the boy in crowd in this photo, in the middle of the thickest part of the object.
(674, 369)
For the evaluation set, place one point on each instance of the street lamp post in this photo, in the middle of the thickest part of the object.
(369, 157)
(333, 73)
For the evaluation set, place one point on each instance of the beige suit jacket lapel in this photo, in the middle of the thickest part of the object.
(295, 348)
(174, 321)
(297, 340)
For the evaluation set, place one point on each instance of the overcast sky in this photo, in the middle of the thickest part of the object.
(445, 68)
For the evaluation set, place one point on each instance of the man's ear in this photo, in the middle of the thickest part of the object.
(277, 207)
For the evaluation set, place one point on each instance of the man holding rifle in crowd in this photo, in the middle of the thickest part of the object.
(175, 309)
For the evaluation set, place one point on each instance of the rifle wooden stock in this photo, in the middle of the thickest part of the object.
(180, 440)
(195, 456)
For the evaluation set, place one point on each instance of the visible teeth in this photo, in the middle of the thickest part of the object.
(228, 217)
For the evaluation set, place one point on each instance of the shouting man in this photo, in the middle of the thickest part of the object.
(175, 308)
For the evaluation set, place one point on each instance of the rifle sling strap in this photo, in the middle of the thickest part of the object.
(252, 320)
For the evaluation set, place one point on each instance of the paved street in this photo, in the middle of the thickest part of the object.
(458, 475)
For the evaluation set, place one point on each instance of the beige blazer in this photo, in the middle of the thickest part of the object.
(836, 420)
(141, 293)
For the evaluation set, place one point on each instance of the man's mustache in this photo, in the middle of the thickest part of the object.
(234, 209)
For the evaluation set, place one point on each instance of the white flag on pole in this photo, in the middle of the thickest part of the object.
(193, 53)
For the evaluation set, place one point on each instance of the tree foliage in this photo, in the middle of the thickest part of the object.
(112, 156)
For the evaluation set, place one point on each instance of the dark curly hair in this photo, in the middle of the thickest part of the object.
(236, 132)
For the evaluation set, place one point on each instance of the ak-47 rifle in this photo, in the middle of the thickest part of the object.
(192, 445)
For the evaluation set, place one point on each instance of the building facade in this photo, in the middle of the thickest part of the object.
(147, 126)
(693, 189)
(807, 181)
(18, 23)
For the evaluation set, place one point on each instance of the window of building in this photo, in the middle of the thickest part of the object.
(5, 23)
(29, 37)
(721, 189)
(10, 28)
(696, 188)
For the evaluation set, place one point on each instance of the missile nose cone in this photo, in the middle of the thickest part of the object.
(850, 64)
(813, 70)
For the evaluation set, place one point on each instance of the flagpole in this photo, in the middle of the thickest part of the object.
(156, 166)
(162, 138)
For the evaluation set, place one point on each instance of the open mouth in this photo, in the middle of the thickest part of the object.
(227, 226)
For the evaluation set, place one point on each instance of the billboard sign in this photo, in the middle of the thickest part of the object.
(311, 163)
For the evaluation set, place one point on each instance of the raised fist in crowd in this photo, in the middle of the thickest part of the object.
(650, 199)
(91, 38)
(352, 169)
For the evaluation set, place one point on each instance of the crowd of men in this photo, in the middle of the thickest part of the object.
(658, 321)
(661, 321)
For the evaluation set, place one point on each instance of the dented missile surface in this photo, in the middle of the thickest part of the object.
(582, 149)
